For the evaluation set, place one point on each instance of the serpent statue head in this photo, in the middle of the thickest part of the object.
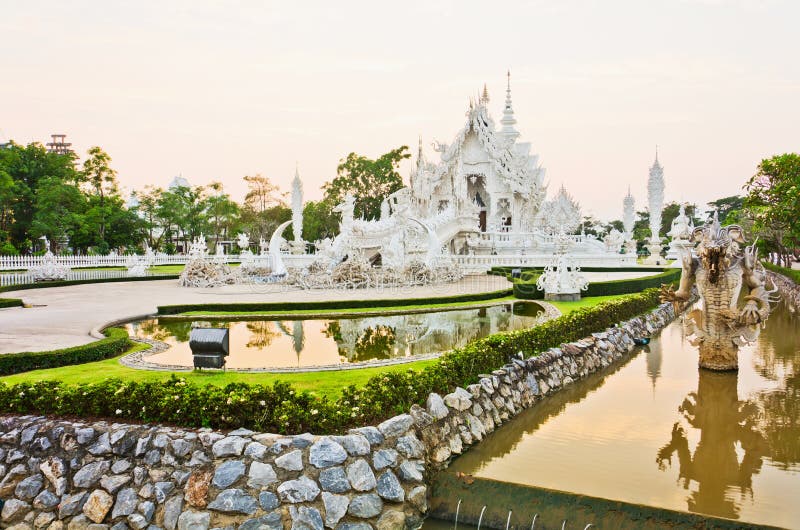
(718, 246)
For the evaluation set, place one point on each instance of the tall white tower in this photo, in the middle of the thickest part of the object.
(628, 214)
(298, 247)
(655, 202)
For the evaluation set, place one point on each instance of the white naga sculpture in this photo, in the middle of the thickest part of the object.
(49, 269)
(721, 269)
(655, 202)
(614, 240)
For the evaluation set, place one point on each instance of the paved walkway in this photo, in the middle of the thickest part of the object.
(64, 316)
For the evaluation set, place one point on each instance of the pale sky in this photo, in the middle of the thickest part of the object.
(219, 90)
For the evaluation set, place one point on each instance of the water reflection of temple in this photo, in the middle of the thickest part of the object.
(412, 334)
(730, 448)
(653, 362)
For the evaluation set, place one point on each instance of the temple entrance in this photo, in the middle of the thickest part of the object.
(482, 220)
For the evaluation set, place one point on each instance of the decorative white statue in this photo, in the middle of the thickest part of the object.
(681, 233)
(614, 240)
(561, 280)
(49, 269)
(199, 248)
(243, 241)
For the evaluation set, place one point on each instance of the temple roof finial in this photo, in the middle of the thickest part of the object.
(508, 120)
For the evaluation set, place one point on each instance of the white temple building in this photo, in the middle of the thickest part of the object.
(482, 204)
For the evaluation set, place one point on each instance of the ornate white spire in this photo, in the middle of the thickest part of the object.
(297, 205)
(628, 214)
(485, 96)
(655, 198)
(508, 120)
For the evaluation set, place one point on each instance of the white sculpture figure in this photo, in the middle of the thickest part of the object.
(263, 247)
(219, 254)
(243, 241)
(298, 246)
(655, 202)
(346, 208)
(49, 269)
(278, 267)
(629, 221)
(561, 280)
(199, 248)
(138, 265)
(614, 240)
(680, 232)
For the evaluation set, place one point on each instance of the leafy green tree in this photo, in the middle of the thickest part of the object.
(28, 166)
(102, 180)
(729, 209)
(319, 221)
(369, 181)
(60, 209)
(223, 212)
(772, 202)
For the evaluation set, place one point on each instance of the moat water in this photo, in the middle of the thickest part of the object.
(313, 342)
(658, 431)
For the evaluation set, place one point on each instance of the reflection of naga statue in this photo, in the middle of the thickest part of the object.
(720, 270)
(724, 424)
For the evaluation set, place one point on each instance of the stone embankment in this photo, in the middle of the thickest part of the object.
(789, 290)
(97, 476)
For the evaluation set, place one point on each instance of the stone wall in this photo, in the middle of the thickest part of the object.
(94, 476)
(789, 290)
(80, 475)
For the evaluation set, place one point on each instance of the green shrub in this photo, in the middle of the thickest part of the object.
(792, 274)
(279, 408)
(115, 343)
(10, 302)
(261, 307)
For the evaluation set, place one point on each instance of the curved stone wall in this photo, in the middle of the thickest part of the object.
(79, 475)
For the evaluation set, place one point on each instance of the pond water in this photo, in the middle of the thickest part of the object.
(658, 431)
(325, 341)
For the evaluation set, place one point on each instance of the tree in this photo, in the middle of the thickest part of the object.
(772, 202)
(261, 193)
(60, 209)
(28, 166)
(728, 207)
(103, 181)
(222, 212)
(319, 221)
(369, 181)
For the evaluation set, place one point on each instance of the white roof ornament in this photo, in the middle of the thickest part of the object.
(508, 120)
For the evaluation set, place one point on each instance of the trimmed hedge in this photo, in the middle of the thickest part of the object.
(262, 307)
(115, 343)
(792, 274)
(279, 408)
(65, 283)
(10, 302)
(526, 288)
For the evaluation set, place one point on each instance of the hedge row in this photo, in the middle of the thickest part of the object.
(65, 283)
(261, 307)
(279, 408)
(792, 274)
(526, 288)
(10, 302)
(115, 343)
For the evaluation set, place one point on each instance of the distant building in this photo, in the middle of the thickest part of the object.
(59, 145)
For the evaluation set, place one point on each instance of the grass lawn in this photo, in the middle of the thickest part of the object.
(328, 383)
